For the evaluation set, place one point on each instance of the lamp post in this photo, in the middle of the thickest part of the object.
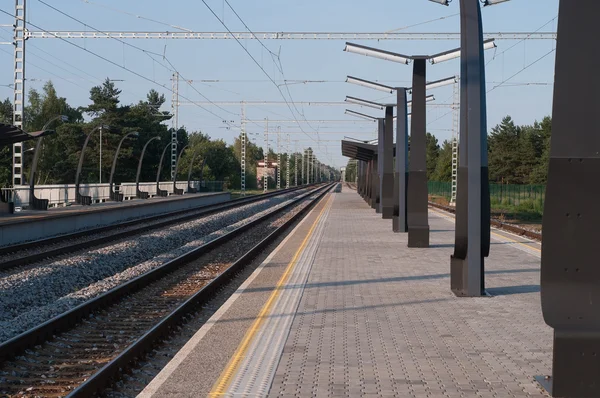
(81, 199)
(189, 188)
(142, 194)
(35, 203)
(175, 190)
(569, 271)
(472, 232)
(161, 192)
(118, 197)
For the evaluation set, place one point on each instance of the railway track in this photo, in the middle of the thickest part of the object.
(80, 352)
(30, 252)
(498, 224)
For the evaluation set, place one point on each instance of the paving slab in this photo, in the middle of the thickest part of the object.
(379, 319)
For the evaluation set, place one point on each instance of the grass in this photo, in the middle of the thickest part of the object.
(527, 211)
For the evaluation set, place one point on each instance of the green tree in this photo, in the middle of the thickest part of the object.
(56, 154)
(432, 154)
(539, 175)
(503, 152)
(6, 115)
(443, 168)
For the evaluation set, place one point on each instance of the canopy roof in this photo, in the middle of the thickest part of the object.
(12, 134)
(360, 150)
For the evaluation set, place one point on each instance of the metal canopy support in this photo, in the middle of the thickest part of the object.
(399, 220)
(19, 87)
(302, 182)
(570, 277)
(387, 182)
(278, 159)
(287, 164)
(472, 234)
(266, 158)
(375, 183)
(455, 132)
(174, 121)
(380, 156)
(243, 152)
(297, 155)
(418, 222)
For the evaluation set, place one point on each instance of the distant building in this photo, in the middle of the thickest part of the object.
(260, 173)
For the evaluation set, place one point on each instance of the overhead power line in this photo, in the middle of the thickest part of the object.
(115, 64)
(146, 52)
(230, 35)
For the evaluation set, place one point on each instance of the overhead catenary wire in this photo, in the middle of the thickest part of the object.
(113, 63)
(522, 70)
(253, 59)
(146, 52)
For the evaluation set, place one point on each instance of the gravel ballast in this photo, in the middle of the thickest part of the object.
(34, 295)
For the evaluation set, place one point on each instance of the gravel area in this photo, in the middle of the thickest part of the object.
(96, 235)
(29, 297)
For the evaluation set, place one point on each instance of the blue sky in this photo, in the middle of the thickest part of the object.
(235, 77)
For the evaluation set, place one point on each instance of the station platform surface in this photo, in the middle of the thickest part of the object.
(66, 211)
(342, 308)
(38, 224)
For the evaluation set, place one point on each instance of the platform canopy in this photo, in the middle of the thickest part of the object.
(360, 150)
(12, 134)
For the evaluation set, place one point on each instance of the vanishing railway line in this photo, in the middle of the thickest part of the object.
(80, 352)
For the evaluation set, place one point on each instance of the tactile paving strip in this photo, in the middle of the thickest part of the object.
(256, 371)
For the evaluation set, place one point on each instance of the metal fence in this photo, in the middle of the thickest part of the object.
(525, 197)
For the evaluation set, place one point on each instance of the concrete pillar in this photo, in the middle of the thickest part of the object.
(472, 233)
(399, 220)
(570, 276)
(418, 220)
(387, 181)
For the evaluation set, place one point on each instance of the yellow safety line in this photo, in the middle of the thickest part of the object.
(224, 381)
(500, 235)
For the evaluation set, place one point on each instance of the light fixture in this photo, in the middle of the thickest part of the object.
(442, 2)
(358, 114)
(429, 98)
(374, 52)
(362, 102)
(368, 84)
(492, 2)
(442, 82)
(452, 54)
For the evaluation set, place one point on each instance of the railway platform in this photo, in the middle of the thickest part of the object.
(342, 308)
(38, 224)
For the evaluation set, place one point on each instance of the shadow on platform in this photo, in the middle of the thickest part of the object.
(509, 290)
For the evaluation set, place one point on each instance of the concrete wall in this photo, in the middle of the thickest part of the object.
(36, 226)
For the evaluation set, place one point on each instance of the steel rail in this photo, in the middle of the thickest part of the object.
(145, 343)
(69, 319)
